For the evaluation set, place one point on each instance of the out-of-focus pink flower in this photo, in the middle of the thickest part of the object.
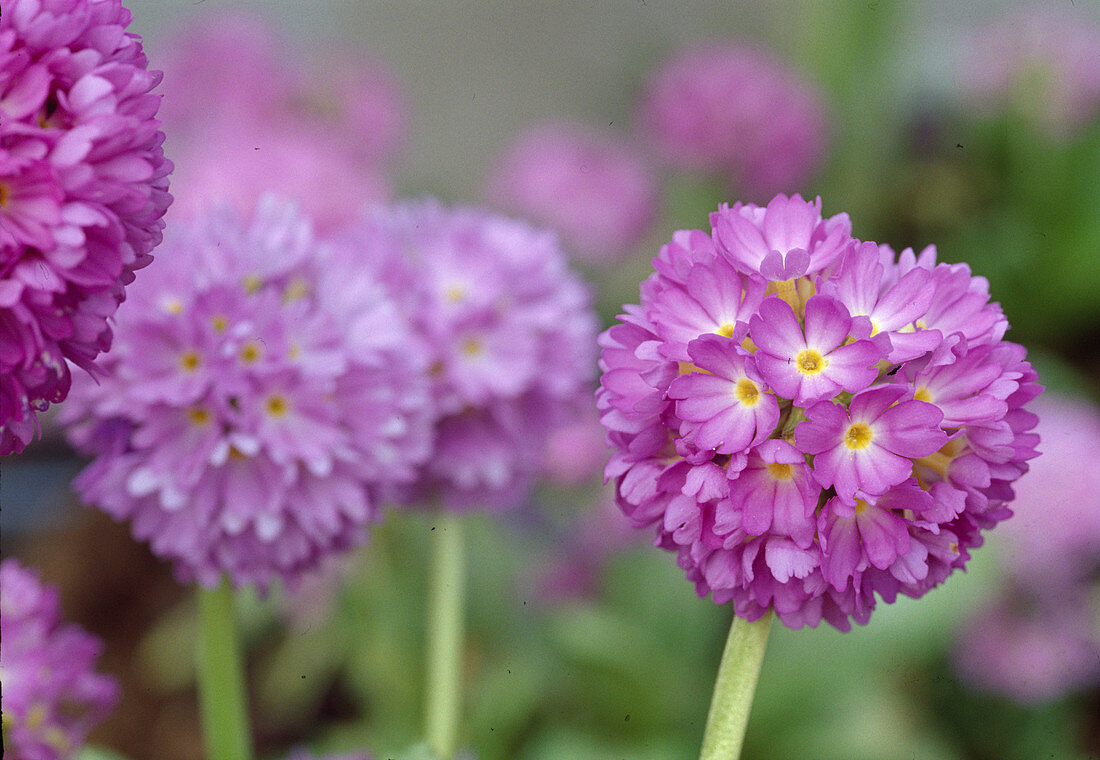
(734, 111)
(52, 695)
(1039, 638)
(1042, 62)
(589, 186)
(511, 333)
(249, 115)
(83, 187)
(576, 452)
(776, 421)
(262, 396)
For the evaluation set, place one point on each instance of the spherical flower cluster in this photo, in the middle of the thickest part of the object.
(1038, 637)
(245, 118)
(83, 187)
(591, 188)
(260, 398)
(731, 108)
(809, 419)
(52, 695)
(511, 338)
(1040, 62)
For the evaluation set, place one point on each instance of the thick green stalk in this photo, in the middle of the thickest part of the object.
(222, 698)
(734, 688)
(445, 603)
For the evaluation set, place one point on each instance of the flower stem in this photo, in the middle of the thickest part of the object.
(445, 602)
(221, 677)
(734, 688)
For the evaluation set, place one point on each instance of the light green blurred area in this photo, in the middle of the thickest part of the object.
(628, 672)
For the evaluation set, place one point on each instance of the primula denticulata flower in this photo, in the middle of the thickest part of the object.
(511, 334)
(733, 110)
(809, 420)
(262, 396)
(590, 187)
(52, 696)
(83, 187)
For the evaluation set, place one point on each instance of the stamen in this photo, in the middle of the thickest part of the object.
(858, 436)
(810, 361)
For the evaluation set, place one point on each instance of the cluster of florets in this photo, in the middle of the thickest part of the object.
(244, 117)
(510, 334)
(734, 109)
(52, 695)
(809, 419)
(260, 398)
(591, 188)
(83, 187)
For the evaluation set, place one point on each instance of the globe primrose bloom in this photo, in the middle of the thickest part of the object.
(731, 108)
(52, 695)
(511, 340)
(810, 421)
(589, 186)
(261, 397)
(83, 187)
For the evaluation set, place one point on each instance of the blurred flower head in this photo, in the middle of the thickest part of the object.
(734, 111)
(593, 189)
(511, 335)
(1040, 635)
(52, 696)
(83, 187)
(261, 397)
(1040, 62)
(247, 114)
(809, 420)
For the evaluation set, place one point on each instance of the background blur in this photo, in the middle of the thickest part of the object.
(583, 641)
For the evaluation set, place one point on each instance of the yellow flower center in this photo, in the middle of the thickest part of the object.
(5, 194)
(746, 392)
(190, 360)
(198, 415)
(810, 361)
(296, 289)
(858, 436)
(781, 472)
(251, 352)
(923, 394)
(277, 406)
(861, 506)
(726, 329)
(472, 347)
(455, 293)
(252, 283)
(219, 322)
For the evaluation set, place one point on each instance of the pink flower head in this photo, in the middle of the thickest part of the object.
(1038, 637)
(511, 336)
(52, 695)
(808, 421)
(83, 187)
(586, 185)
(248, 117)
(1040, 62)
(263, 395)
(734, 110)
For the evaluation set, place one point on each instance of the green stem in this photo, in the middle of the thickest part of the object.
(221, 679)
(733, 689)
(445, 637)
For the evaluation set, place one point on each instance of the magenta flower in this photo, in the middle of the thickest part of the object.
(811, 422)
(733, 110)
(811, 362)
(1042, 63)
(261, 398)
(83, 187)
(593, 189)
(511, 336)
(247, 118)
(52, 695)
(1038, 638)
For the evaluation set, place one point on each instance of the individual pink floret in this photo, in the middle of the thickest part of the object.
(815, 362)
(870, 446)
(724, 408)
